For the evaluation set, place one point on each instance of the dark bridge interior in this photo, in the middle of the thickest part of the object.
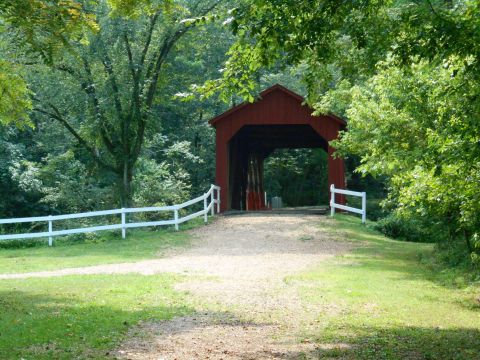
(247, 151)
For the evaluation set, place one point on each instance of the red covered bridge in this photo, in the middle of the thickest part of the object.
(249, 132)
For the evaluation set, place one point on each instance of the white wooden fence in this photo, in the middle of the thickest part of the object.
(333, 205)
(213, 194)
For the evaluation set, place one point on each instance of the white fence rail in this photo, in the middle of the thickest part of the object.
(333, 205)
(213, 194)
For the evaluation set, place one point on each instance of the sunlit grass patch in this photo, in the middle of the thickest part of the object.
(80, 316)
(380, 301)
(107, 248)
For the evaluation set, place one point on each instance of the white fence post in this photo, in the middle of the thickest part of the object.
(175, 215)
(332, 200)
(205, 208)
(333, 205)
(218, 200)
(212, 201)
(50, 229)
(124, 221)
(364, 207)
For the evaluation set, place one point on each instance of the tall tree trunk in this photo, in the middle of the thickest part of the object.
(467, 235)
(125, 184)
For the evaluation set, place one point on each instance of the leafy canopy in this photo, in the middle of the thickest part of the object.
(405, 74)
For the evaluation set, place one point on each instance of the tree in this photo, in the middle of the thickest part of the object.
(36, 28)
(343, 40)
(404, 73)
(116, 76)
(415, 126)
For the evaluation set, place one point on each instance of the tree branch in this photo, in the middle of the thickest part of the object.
(107, 63)
(89, 88)
(155, 65)
(153, 21)
(153, 73)
(155, 70)
(67, 69)
(130, 56)
(93, 152)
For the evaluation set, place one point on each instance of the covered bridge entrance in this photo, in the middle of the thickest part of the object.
(249, 132)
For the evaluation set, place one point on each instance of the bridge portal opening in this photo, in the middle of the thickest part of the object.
(298, 176)
(248, 150)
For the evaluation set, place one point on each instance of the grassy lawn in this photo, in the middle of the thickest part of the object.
(107, 248)
(383, 301)
(84, 316)
(80, 317)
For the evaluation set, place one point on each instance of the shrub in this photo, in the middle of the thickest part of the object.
(21, 244)
(375, 210)
(407, 229)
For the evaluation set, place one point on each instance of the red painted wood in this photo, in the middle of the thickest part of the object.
(276, 106)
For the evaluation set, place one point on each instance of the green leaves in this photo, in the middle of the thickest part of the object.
(137, 8)
(416, 126)
(14, 96)
(45, 27)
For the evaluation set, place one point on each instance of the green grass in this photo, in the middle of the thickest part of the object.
(85, 317)
(381, 302)
(107, 248)
(80, 317)
(384, 300)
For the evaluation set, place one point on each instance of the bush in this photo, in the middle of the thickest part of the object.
(21, 244)
(375, 211)
(453, 254)
(451, 259)
(397, 227)
(450, 247)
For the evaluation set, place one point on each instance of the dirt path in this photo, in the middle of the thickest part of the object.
(253, 313)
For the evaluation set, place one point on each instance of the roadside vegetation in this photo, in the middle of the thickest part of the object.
(390, 299)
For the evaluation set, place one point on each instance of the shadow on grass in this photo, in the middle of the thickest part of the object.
(379, 253)
(395, 343)
(57, 321)
(62, 327)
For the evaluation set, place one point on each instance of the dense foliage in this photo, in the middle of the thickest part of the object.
(298, 176)
(427, 137)
(101, 89)
(405, 75)
(91, 118)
